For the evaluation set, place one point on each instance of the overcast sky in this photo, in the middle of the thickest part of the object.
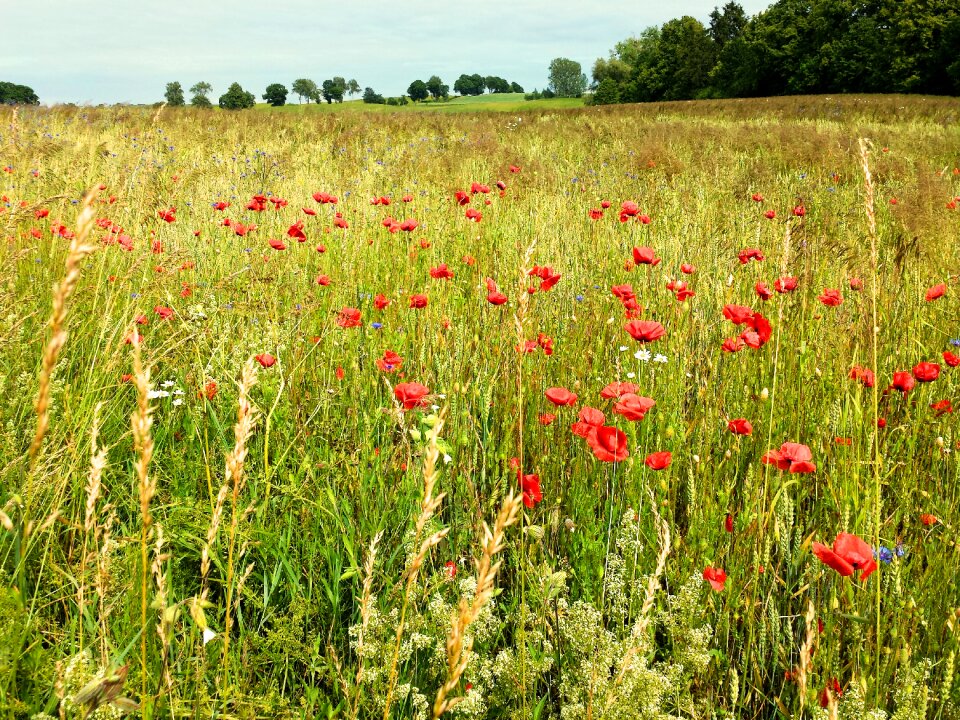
(127, 50)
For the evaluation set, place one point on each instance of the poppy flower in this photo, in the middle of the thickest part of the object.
(514, 168)
(588, 420)
(733, 345)
(748, 254)
(168, 215)
(165, 313)
(609, 444)
(794, 457)
(864, 375)
(926, 371)
(728, 523)
(770, 214)
(596, 213)
(265, 359)
(418, 301)
(688, 269)
(390, 362)
(410, 395)
(757, 197)
(441, 272)
(740, 426)
(849, 553)
(530, 486)
(903, 381)
(799, 211)
(380, 301)
(785, 284)
(296, 231)
(323, 280)
(546, 418)
(629, 208)
(856, 283)
(277, 245)
(928, 519)
(942, 407)
(717, 577)
(763, 292)
(738, 314)
(473, 215)
(645, 331)
(409, 225)
(633, 407)
(950, 359)
(830, 297)
(658, 460)
(494, 296)
(209, 390)
(348, 317)
(645, 256)
(560, 396)
(936, 292)
(617, 389)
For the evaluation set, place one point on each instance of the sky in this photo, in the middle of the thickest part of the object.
(112, 51)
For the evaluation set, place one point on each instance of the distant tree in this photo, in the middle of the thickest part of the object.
(727, 24)
(353, 88)
(236, 98)
(304, 88)
(687, 55)
(418, 90)
(496, 84)
(437, 88)
(200, 91)
(515, 88)
(13, 94)
(275, 95)
(566, 78)
(372, 98)
(607, 92)
(174, 95)
(470, 85)
(333, 89)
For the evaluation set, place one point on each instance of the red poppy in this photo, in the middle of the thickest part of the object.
(441, 272)
(418, 301)
(950, 359)
(277, 245)
(733, 345)
(903, 381)
(728, 523)
(799, 211)
(596, 213)
(785, 284)
(209, 390)
(942, 407)
(849, 553)
(717, 577)
(168, 215)
(349, 318)
(830, 297)
(645, 331)
(926, 371)
(380, 301)
(629, 208)
(769, 214)
(748, 254)
(560, 396)
(474, 215)
(738, 314)
(740, 426)
(609, 444)
(530, 485)
(645, 256)
(514, 169)
(762, 291)
(390, 362)
(617, 389)
(688, 269)
(791, 456)
(757, 197)
(633, 407)
(296, 231)
(411, 395)
(588, 420)
(937, 291)
(864, 375)
(658, 460)
(928, 519)
(165, 313)
(546, 418)
(265, 359)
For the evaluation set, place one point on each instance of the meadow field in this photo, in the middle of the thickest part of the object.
(643, 411)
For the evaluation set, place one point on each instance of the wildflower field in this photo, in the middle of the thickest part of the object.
(633, 412)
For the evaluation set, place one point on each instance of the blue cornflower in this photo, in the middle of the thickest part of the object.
(376, 325)
(955, 342)
(884, 554)
(579, 298)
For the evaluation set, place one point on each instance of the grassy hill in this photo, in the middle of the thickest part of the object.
(504, 102)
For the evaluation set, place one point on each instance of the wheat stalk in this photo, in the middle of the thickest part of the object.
(806, 655)
(364, 618)
(242, 431)
(428, 508)
(98, 461)
(58, 333)
(459, 643)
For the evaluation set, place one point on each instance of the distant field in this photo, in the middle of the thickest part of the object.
(504, 102)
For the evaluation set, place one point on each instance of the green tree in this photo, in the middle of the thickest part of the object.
(372, 98)
(199, 92)
(566, 78)
(437, 88)
(13, 94)
(418, 90)
(515, 88)
(174, 95)
(687, 55)
(470, 85)
(496, 84)
(353, 88)
(727, 24)
(304, 88)
(607, 92)
(333, 89)
(236, 98)
(275, 95)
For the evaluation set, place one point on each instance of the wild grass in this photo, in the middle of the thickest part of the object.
(330, 557)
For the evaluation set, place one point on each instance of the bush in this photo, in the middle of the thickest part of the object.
(236, 98)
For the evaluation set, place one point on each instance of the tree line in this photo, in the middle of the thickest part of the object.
(13, 94)
(792, 47)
